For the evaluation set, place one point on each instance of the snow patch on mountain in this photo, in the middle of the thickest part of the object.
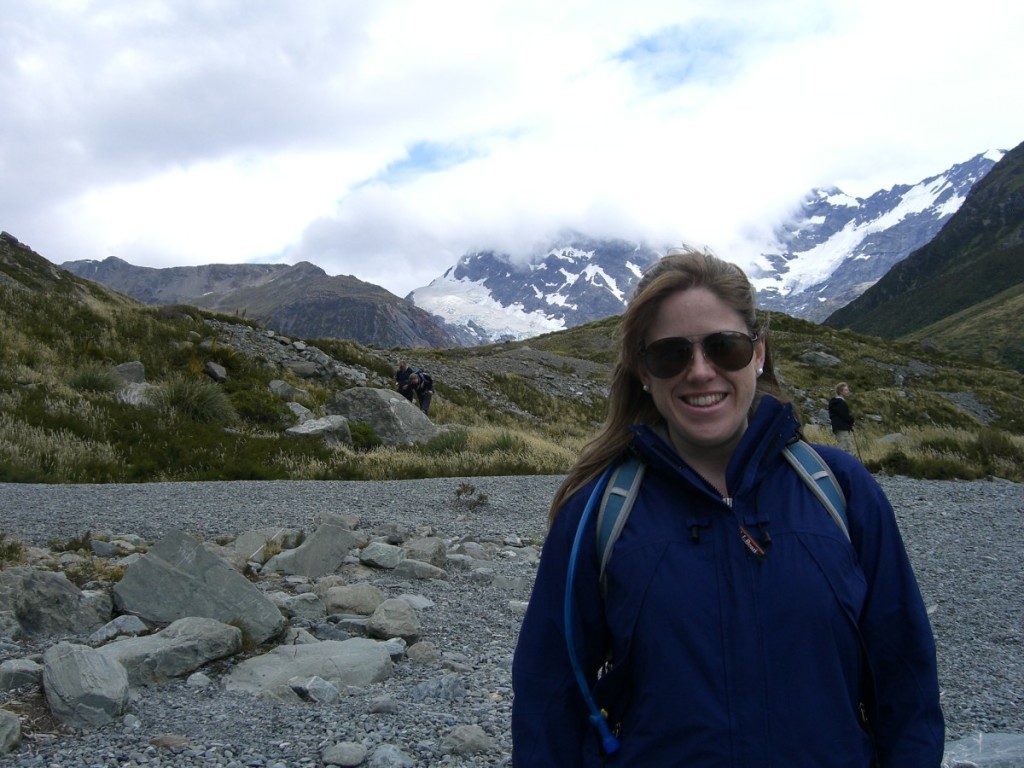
(815, 250)
(469, 303)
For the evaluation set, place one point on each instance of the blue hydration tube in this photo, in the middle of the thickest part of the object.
(609, 741)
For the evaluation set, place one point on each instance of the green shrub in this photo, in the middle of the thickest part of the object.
(363, 437)
(996, 443)
(79, 544)
(94, 378)
(447, 442)
(195, 398)
(11, 552)
(928, 467)
(92, 572)
(467, 497)
(504, 442)
(260, 406)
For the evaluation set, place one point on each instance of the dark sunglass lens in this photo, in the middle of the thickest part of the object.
(730, 351)
(668, 357)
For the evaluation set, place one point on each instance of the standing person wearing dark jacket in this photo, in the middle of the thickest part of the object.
(423, 386)
(402, 380)
(841, 418)
(737, 625)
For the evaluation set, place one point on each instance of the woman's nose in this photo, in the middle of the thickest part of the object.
(700, 366)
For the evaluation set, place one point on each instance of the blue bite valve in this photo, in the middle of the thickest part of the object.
(609, 741)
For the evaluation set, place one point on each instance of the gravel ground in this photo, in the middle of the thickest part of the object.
(964, 539)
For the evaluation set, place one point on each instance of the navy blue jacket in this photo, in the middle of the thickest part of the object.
(722, 659)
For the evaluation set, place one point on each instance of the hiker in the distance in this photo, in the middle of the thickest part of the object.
(841, 418)
(402, 375)
(423, 386)
(739, 624)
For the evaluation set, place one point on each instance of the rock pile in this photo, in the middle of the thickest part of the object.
(284, 616)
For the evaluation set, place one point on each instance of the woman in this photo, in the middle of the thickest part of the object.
(801, 650)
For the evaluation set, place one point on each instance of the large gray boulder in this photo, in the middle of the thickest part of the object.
(393, 419)
(46, 603)
(176, 651)
(394, 618)
(357, 661)
(84, 688)
(333, 429)
(429, 549)
(363, 598)
(323, 552)
(257, 546)
(15, 673)
(179, 578)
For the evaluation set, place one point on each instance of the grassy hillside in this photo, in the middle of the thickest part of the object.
(523, 407)
(992, 330)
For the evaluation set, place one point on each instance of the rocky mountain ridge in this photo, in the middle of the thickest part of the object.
(837, 245)
(977, 257)
(300, 300)
(832, 248)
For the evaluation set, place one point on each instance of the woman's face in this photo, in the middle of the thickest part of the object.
(704, 407)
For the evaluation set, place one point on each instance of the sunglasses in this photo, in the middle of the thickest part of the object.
(728, 350)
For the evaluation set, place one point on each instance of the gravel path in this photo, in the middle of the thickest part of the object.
(964, 539)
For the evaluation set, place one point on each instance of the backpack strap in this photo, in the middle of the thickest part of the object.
(597, 717)
(616, 504)
(819, 478)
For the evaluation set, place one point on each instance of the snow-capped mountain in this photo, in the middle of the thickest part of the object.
(838, 246)
(574, 282)
(833, 249)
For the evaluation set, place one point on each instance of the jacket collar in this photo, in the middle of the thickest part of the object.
(772, 425)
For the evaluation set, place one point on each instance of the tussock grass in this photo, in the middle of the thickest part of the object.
(481, 453)
(61, 420)
(11, 552)
(936, 453)
(195, 398)
(94, 378)
(30, 454)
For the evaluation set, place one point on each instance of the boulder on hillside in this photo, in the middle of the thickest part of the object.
(133, 372)
(286, 391)
(332, 428)
(393, 419)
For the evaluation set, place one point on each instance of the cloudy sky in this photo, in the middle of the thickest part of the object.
(385, 139)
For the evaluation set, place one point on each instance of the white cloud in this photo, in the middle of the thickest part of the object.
(189, 133)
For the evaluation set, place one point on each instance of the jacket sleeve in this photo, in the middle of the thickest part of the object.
(550, 724)
(906, 718)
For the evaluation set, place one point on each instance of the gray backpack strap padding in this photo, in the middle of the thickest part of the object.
(819, 478)
(623, 487)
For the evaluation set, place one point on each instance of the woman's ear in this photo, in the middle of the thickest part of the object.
(759, 355)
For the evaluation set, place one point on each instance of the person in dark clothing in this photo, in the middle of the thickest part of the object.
(735, 624)
(423, 386)
(841, 418)
(402, 375)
